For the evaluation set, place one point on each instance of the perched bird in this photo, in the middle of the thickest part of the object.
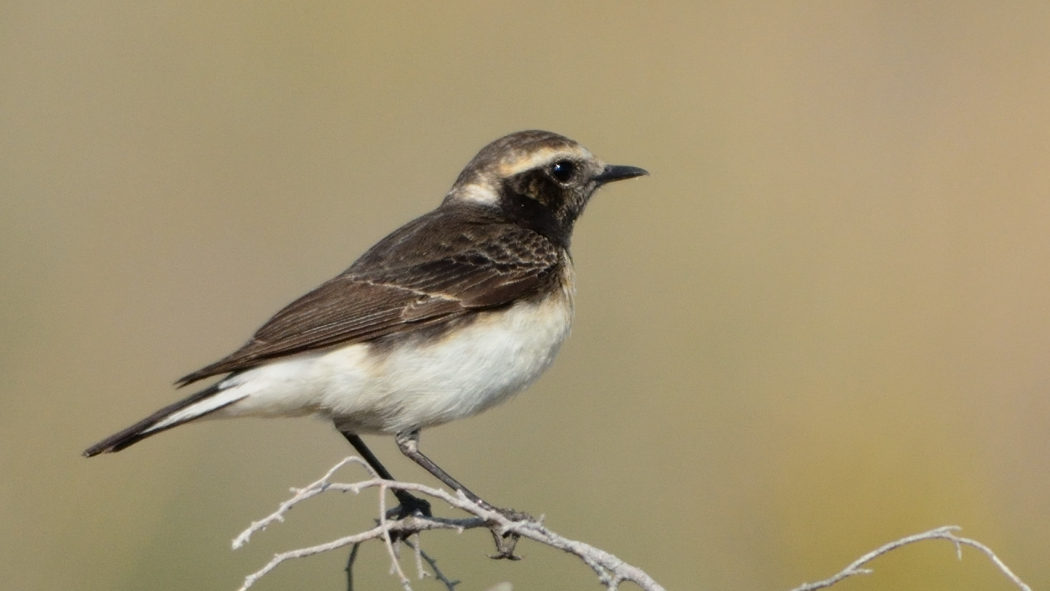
(449, 315)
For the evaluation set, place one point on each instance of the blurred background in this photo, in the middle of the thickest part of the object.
(820, 325)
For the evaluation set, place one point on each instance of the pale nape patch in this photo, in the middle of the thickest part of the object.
(478, 193)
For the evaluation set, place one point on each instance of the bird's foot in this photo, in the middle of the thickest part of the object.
(513, 514)
(507, 541)
(505, 544)
(410, 506)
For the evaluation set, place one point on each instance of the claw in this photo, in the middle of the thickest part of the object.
(410, 505)
(505, 545)
(507, 541)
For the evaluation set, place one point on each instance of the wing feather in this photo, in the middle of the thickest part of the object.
(417, 277)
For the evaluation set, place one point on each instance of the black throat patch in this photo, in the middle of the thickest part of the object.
(526, 211)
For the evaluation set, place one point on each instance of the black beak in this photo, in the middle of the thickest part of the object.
(614, 172)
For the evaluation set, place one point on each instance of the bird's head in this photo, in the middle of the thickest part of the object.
(537, 178)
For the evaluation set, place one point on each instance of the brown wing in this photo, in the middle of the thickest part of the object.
(416, 277)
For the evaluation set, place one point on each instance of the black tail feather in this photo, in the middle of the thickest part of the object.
(137, 432)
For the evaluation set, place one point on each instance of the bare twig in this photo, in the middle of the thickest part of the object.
(449, 584)
(301, 494)
(350, 567)
(395, 564)
(941, 533)
(611, 571)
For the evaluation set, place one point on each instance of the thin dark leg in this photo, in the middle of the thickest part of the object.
(408, 443)
(359, 445)
(409, 504)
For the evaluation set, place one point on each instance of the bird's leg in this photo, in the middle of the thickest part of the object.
(408, 443)
(410, 504)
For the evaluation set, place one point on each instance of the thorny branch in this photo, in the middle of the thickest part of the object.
(611, 571)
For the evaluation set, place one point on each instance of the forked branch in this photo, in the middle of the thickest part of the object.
(610, 570)
(941, 533)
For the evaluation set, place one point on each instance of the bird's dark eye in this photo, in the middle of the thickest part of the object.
(563, 170)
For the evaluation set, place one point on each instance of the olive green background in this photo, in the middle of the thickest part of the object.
(821, 324)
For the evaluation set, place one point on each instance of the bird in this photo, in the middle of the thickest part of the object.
(447, 316)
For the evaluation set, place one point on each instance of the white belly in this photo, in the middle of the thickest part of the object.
(416, 383)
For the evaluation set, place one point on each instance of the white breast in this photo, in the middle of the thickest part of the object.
(417, 383)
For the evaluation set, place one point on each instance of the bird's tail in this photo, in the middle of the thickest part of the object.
(194, 407)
